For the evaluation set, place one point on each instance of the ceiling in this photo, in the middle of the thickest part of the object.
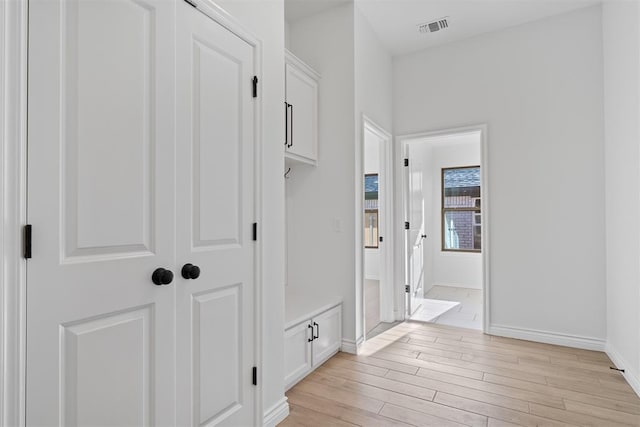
(298, 9)
(396, 21)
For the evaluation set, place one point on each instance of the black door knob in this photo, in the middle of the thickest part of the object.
(190, 271)
(162, 276)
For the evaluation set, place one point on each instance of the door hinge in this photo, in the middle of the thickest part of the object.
(255, 231)
(407, 288)
(406, 162)
(27, 241)
(189, 2)
(255, 86)
(255, 375)
(407, 225)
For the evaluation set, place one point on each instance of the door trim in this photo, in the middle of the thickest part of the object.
(401, 142)
(13, 202)
(13, 131)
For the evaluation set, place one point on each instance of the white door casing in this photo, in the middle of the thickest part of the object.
(113, 195)
(402, 142)
(215, 212)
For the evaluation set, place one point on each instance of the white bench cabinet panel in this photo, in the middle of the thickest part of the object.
(328, 328)
(297, 353)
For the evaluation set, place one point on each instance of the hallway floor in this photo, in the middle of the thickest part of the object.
(447, 305)
(425, 374)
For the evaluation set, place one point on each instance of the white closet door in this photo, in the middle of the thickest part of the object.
(100, 334)
(215, 210)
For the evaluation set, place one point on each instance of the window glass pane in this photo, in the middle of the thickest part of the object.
(461, 187)
(460, 232)
(371, 187)
(371, 229)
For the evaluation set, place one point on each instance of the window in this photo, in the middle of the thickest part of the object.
(461, 209)
(371, 211)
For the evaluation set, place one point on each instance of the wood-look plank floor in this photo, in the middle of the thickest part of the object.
(419, 374)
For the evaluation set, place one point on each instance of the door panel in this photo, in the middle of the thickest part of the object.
(108, 353)
(104, 213)
(100, 334)
(415, 232)
(217, 168)
(413, 198)
(215, 211)
(217, 322)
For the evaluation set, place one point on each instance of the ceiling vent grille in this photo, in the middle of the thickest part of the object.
(432, 27)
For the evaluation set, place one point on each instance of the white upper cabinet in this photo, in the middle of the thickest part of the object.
(301, 105)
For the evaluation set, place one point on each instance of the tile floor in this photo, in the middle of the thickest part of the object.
(467, 313)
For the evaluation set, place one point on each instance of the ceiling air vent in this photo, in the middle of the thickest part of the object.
(432, 27)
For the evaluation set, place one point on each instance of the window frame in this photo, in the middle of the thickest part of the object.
(377, 237)
(443, 211)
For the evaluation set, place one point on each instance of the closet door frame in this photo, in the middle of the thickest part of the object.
(13, 201)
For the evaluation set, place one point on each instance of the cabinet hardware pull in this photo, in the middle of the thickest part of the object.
(312, 337)
(315, 337)
(286, 124)
(291, 124)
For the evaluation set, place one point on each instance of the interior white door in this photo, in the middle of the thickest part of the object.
(417, 234)
(216, 211)
(100, 334)
(414, 233)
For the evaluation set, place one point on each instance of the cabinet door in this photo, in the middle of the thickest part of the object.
(302, 94)
(297, 353)
(328, 330)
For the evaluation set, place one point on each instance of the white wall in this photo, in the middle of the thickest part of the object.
(287, 35)
(445, 268)
(621, 27)
(373, 69)
(324, 204)
(320, 200)
(539, 88)
(266, 20)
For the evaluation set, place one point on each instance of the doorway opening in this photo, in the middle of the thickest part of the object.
(377, 240)
(443, 248)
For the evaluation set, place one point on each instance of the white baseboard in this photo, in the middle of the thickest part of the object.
(351, 346)
(628, 374)
(276, 414)
(586, 343)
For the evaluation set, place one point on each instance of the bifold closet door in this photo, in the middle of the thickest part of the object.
(215, 212)
(101, 184)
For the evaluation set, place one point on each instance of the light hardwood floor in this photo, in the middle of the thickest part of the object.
(422, 374)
